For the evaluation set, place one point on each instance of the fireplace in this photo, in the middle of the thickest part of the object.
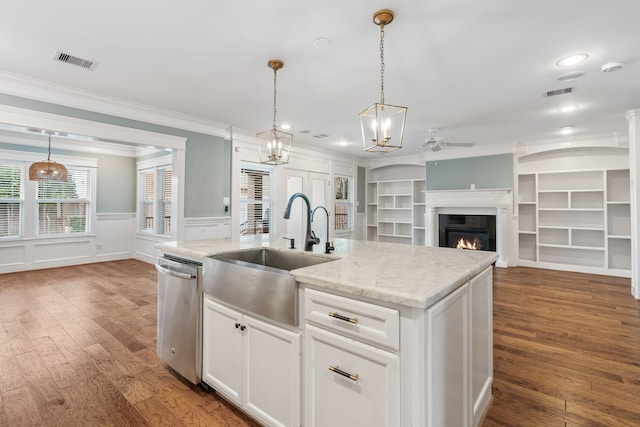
(467, 231)
(484, 215)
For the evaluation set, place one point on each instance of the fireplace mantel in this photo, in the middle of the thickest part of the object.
(494, 201)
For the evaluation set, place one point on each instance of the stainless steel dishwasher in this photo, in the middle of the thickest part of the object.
(180, 315)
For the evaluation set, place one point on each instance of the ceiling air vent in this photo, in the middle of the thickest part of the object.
(70, 59)
(559, 91)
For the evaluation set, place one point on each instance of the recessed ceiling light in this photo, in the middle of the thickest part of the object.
(285, 126)
(321, 43)
(572, 60)
(568, 108)
(611, 66)
(343, 143)
(567, 130)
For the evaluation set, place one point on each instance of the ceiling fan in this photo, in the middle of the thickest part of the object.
(435, 143)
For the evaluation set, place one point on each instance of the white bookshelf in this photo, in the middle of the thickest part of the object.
(575, 220)
(395, 211)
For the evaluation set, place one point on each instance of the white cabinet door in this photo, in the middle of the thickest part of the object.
(349, 383)
(222, 349)
(448, 361)
(272, 373)
(481, 297)
(254, 364)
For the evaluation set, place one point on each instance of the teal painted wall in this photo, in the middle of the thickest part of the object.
(115, 194)
(207, 157)
(458, 174)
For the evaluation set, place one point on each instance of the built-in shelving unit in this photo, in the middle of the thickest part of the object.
(395, 211)
(575, 220)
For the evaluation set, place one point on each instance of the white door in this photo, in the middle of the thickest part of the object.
(316, 187)
(272, 373)
(222, 349)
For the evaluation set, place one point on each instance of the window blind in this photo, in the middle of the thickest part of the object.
(164, 201)
(147, 190)
(255, 201)
(63, 206)
(11, 199)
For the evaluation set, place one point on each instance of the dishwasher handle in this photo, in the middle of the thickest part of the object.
(164, 270)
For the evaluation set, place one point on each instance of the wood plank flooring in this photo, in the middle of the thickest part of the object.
(566, 350)
(77, 348)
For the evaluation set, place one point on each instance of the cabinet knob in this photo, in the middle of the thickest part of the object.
(237, 325)
(242, 328)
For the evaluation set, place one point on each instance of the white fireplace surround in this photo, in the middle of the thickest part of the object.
(496, 201)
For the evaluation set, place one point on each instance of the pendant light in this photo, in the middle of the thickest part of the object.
(382, 124)
(274, 146)
(47, 170)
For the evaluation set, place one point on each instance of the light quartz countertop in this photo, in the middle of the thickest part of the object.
(413, 276)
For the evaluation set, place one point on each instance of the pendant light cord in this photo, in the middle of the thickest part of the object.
(382, 63)
(49, 153)
(275, 92)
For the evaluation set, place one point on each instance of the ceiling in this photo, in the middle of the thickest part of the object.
(475, 69)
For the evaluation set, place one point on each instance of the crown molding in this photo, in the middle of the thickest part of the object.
(42, 90)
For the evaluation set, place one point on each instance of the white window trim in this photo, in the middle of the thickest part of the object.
(164, 162)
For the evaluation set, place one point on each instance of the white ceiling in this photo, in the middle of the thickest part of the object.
(476, 69)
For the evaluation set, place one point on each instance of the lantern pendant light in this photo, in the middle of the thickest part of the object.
(382, 124)
(274, 146)
(47, 170)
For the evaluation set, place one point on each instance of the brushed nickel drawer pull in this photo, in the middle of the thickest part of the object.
(335, 315)
(352, 377)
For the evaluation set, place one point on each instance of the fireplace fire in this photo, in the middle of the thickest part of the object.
(465, 244)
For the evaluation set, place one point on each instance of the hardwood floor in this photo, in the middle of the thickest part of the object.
(77, 348)
(566, 350)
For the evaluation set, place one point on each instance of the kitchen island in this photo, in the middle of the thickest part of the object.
(388, 334)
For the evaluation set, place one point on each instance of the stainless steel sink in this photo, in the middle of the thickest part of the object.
(258, 280)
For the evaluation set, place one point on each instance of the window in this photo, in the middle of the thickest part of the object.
(344, 204)
(164, 201)
(154, 196)
(63, 207)
(147, 191)
(255, 201)
(11, 199)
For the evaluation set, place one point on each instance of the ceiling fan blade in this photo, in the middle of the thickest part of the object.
(459, 144)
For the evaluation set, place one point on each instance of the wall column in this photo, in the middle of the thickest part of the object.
(633, 116)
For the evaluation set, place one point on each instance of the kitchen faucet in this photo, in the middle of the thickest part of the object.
(310, 238)
(327, 246)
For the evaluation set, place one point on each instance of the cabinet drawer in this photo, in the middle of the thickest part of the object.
(357, 319)
(349, 383)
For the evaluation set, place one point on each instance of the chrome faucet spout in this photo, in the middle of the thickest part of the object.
(310, 238)
(328, 247)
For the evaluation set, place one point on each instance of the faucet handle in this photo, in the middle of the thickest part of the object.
(314, 238)
(328, 247)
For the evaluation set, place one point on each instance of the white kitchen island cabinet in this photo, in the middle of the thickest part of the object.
(254, 364)
(394, 335)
